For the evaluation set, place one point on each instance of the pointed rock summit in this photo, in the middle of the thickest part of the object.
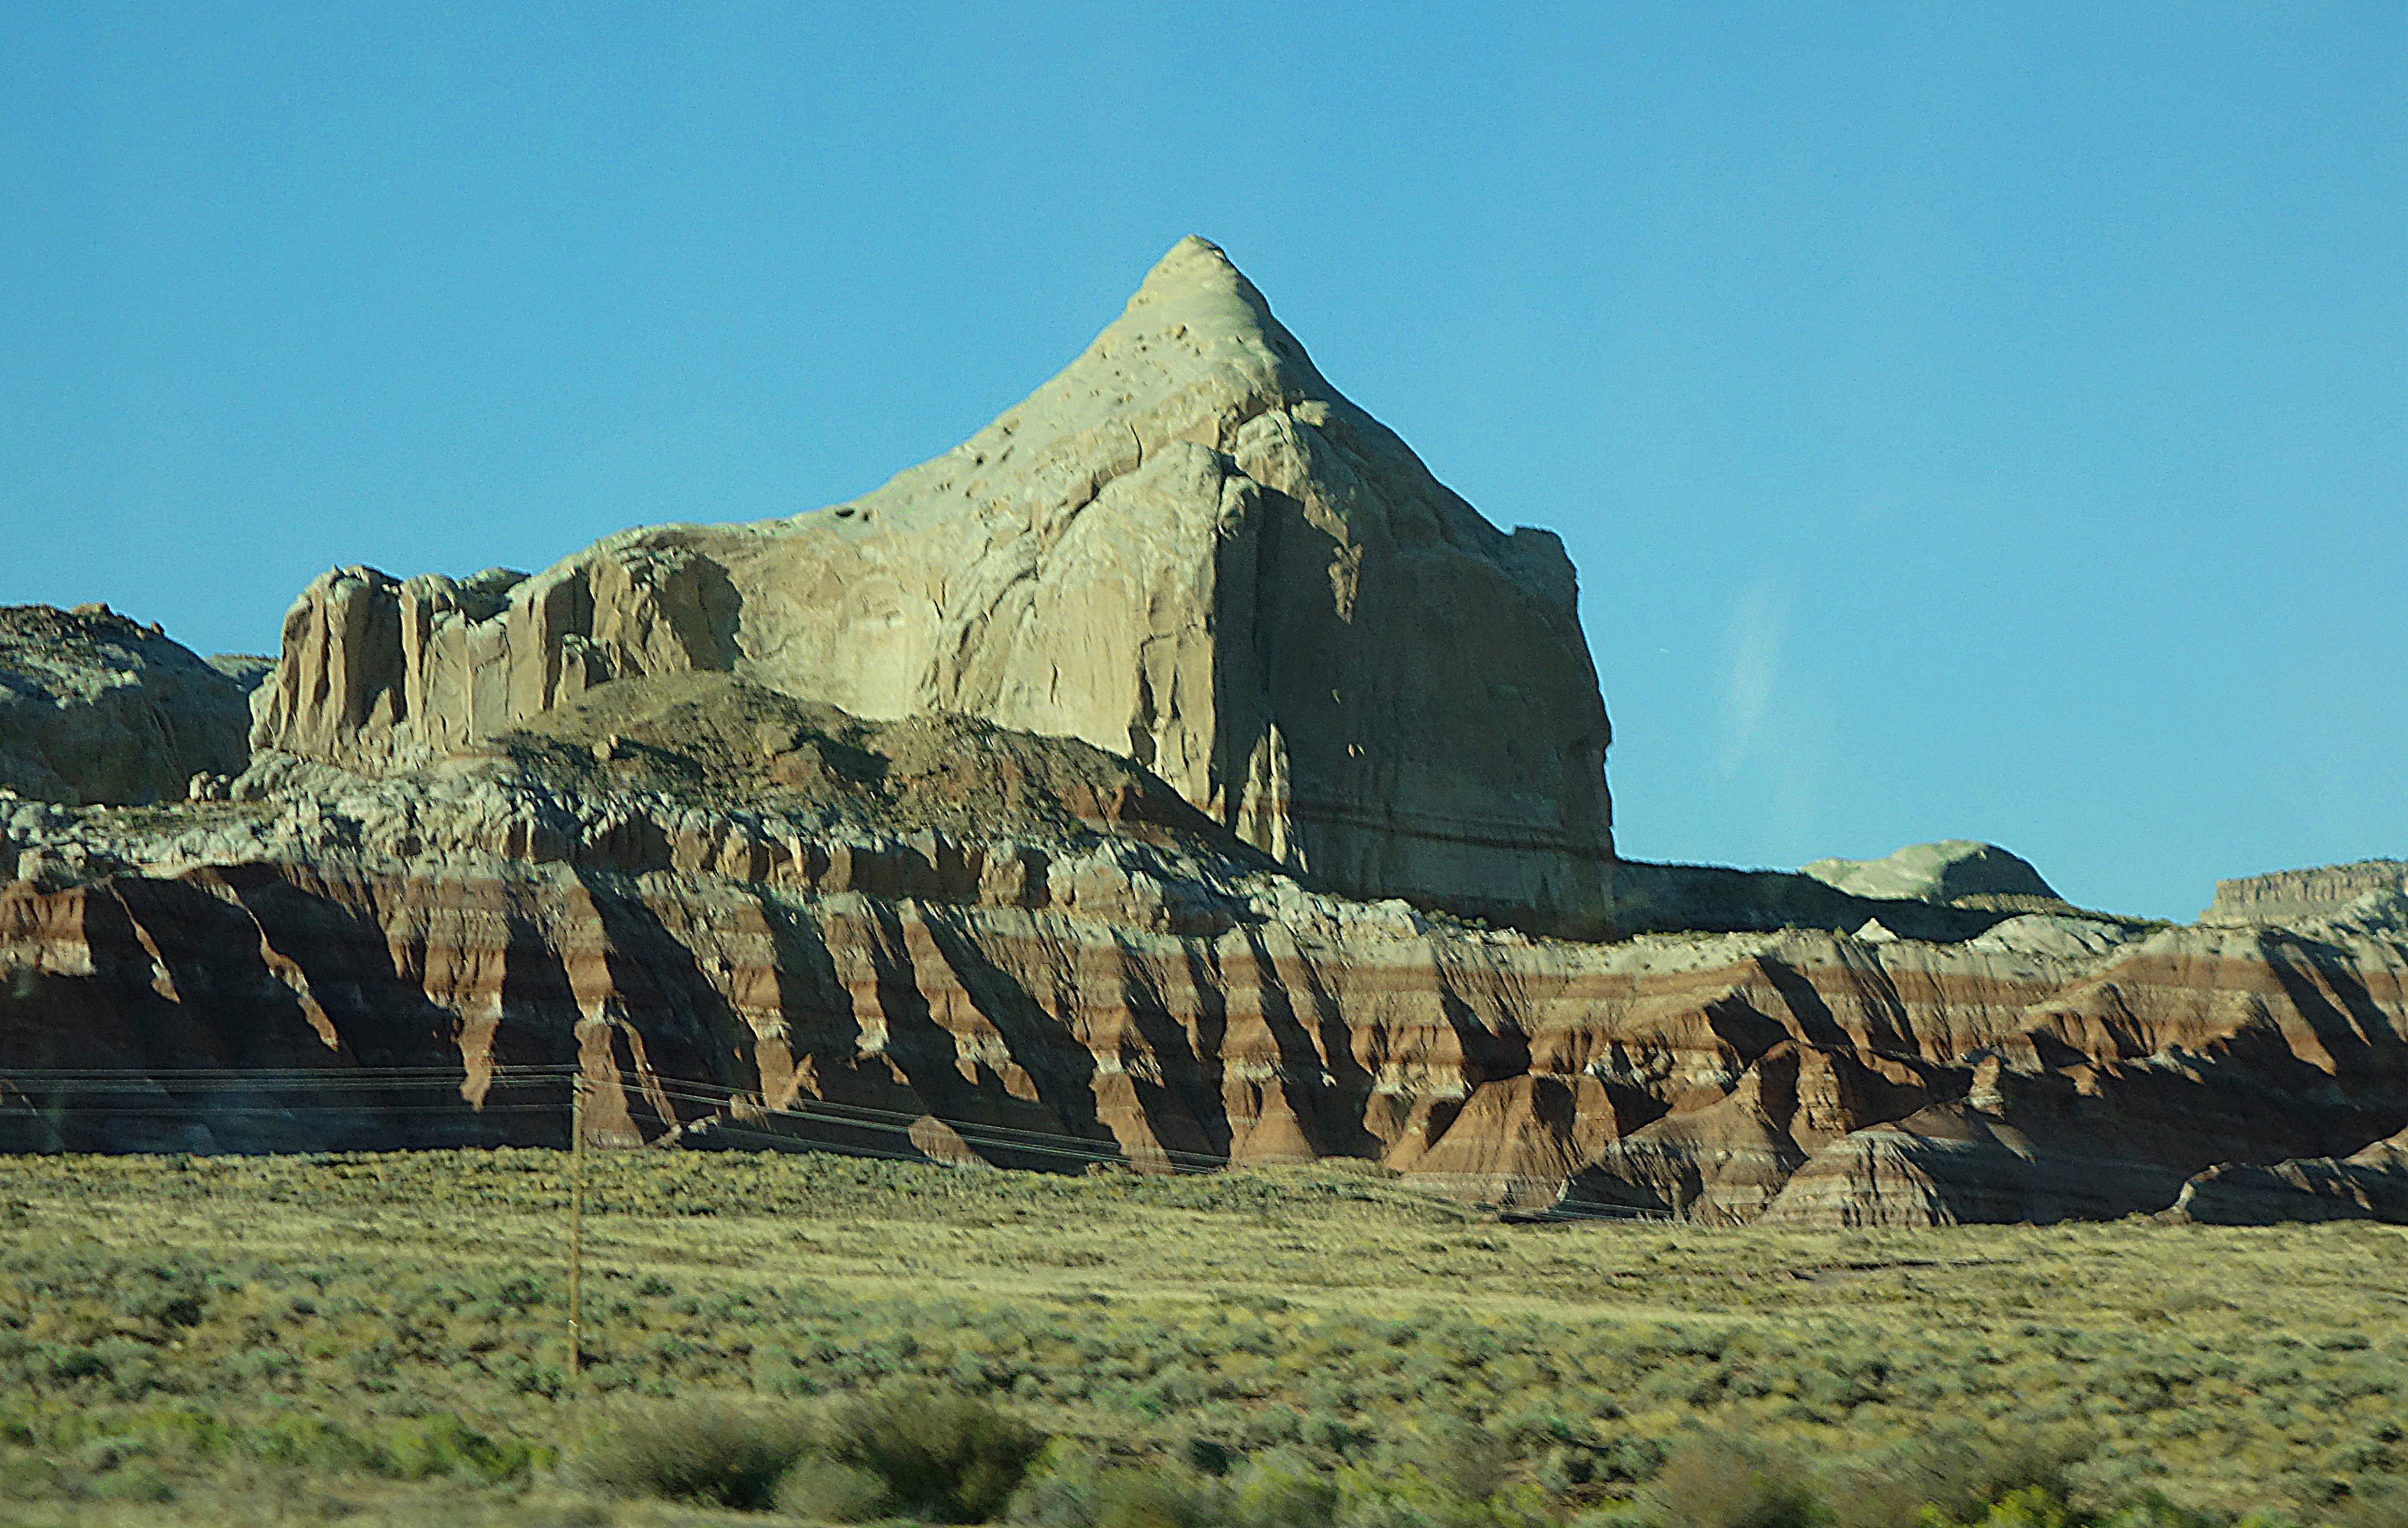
(1187, 548)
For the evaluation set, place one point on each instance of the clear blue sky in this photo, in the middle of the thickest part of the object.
(1968, 422)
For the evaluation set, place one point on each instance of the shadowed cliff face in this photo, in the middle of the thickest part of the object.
(1801, 1076)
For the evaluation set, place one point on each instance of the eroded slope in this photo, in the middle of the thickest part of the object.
(1064, 976)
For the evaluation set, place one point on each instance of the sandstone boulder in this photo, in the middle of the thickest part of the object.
(98, 708)
(1188, 548)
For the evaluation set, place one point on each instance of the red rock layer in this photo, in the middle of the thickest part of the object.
(1803, 1075)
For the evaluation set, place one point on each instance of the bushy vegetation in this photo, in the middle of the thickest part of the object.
(932, 1453)
(838, 1340)
(707, 1452)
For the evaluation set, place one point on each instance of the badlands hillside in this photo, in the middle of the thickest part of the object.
(1174, 773)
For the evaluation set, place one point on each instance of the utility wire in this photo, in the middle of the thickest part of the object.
(731, 1113)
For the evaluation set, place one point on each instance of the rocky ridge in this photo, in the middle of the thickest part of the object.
(95, 707)
(2291, 895)
(1954, 870)
(1104, 973)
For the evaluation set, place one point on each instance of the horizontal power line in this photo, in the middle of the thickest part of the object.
(1060, 1145)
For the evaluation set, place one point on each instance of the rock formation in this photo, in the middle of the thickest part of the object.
(1717, 899)
(1187, 548)
(1027, 812)
(2290, 895)
(94, 707)
(1936, 873)
(751, 919)
(2369, 1184)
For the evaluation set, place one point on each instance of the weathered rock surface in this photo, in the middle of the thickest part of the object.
(2292, 895)
(1944, 872)
(1039, 957)
(1187, 548)
(1004, 815)
(94, 707)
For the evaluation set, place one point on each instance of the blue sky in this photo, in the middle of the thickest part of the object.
(1968, 422)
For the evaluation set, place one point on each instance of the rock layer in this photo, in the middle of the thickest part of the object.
(1187, 548)
(94, 707)
(751, 975)
(2290, 895)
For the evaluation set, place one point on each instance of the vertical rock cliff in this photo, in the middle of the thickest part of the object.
(1187, 548)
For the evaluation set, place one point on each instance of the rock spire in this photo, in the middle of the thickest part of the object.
(1187, 548)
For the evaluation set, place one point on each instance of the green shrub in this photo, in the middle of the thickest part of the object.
(710, 1454)
(2386, 1508)
(1468, 1463)
(1060, 1489)
(1155, 1499)
(32, 1478)
(303, 1441)
(2151, 1510)
(1274, 1493)
(941, 1456)
(825, 1491)
(1074, 1491)
(138, 1481)
(443, 1445)
(2031, 1507)
(1953, 1472)
(1716, 1481)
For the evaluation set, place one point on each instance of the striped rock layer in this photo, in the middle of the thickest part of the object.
(1797, 1077)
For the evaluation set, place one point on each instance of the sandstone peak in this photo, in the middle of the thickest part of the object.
(1198, 271)
(1186, 548)
(1195, 294)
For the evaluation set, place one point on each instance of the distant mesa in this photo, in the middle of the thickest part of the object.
(1956, 889)
(1187, 548)
(2292, 896)
(248, 670)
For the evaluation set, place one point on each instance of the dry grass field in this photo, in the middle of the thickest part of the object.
(380, 1339)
